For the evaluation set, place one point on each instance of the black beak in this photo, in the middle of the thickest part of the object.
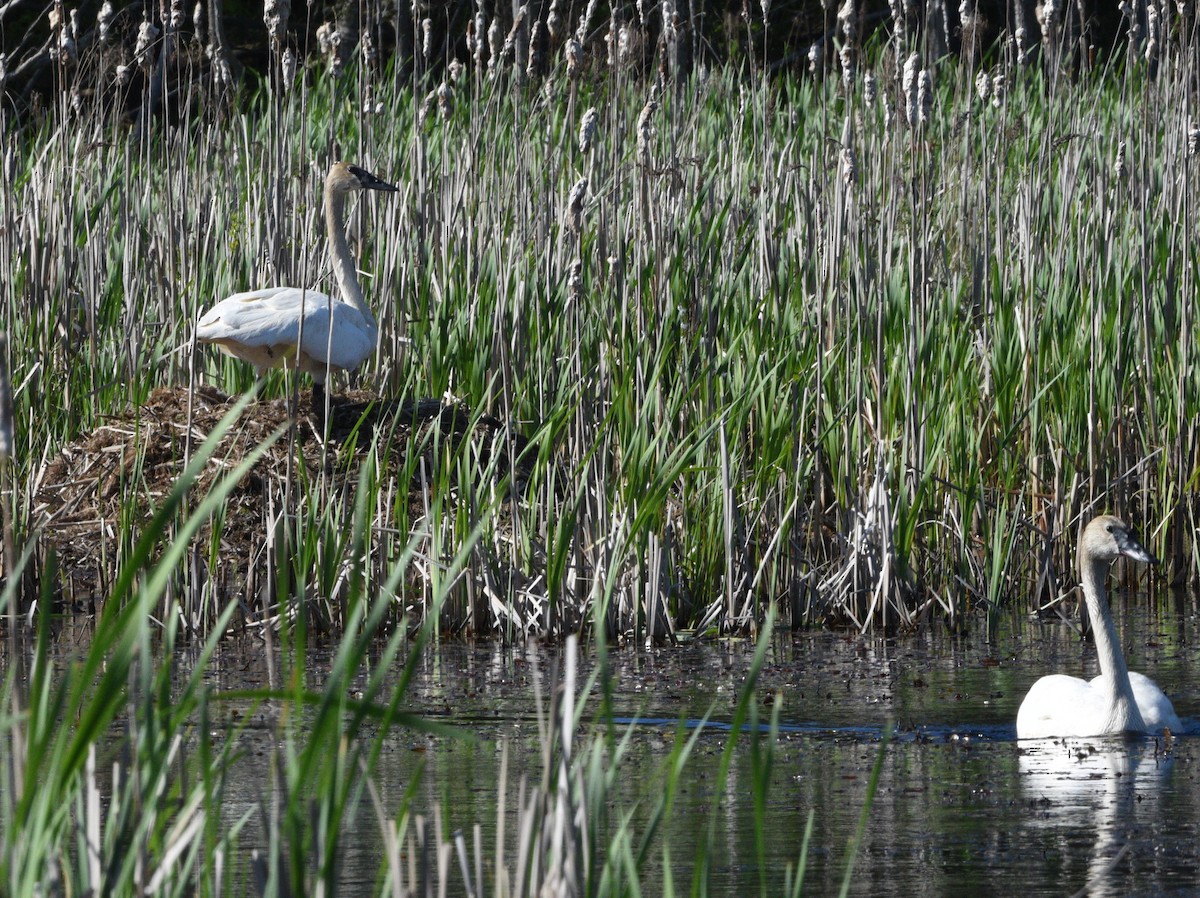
(369, 181)
(1131, 548)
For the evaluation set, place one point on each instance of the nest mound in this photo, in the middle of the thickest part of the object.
(123, 470)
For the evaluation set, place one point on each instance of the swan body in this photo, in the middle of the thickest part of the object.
(302, 328)
(1116, 701)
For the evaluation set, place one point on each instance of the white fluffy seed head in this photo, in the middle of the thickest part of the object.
(587, 129)
(870, 88)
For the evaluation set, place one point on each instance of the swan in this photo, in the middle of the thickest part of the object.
(263, 327)
(1117, 701)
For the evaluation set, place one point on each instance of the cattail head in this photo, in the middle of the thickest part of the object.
(445, 100)
(539, 47)
(575, 281)
(1049, 14)
(983, 85)
(912, 68)
(1193, 138)
(645, 129)
(427, 39)
(104, 20)
(495, 45)
(482, 36)
(575, 206)
(148, 33)
(287, 67)
(925, 96)
(816, 58)
(1153, 35)
(574, 54)
(999, 89)
(847, 18)
(587, 129)
(197, 21)
(275, 17)
(848, 55)
(870, 88)
(847, 158)
(1119, 168)
(581, 32)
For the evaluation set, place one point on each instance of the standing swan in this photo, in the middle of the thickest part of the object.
(263, 327)
(1117, 701)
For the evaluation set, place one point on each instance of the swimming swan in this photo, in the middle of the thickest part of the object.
(1117, 701)
(262, 327)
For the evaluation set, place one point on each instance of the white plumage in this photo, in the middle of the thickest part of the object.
(1116, 701)
(302, 328)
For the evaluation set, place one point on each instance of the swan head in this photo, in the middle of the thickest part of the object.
(345, 178)
(1106, 538)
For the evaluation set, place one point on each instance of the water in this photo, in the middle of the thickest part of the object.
(960, 807)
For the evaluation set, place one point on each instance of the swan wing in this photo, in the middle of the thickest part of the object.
(263, 326)
(1059, 705)
(1157, 710)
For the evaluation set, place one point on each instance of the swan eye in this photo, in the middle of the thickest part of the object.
(1109, 528)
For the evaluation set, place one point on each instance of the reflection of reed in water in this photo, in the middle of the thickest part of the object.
(1097, 789)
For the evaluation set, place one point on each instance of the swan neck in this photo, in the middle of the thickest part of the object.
(1094, 573)
(344, 269)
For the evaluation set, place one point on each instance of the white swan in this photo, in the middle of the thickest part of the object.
(1117, 701)
(263, 327)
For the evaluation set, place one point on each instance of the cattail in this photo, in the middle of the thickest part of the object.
(574, 54)
(275, 16)
(124, 74)
(645, 130)
(1119, 166)
(816, 58)
(1153, 27)
(427, 39)
(176, 18)
(575, 206)
(628, 39)
(575, 281)
(553, 21)
(582, 31)
(445, 101)
(495, 45)
(1049, 14)
(983, 85)
(847, 159)
(587, 129)
(909, 83)
(287, 68)
(999, 89)
(1193, 136)
(870, 89)
(197, 22)
(925, 95)
(457, 69)
(847, 18)
(1021, 37)
(481, 36)
(67, 38)
(104, 20)
(367, 50)
(539, 43)
(610, 42)
(148, 33)
(847, 55)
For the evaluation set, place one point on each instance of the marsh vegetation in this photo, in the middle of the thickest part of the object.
(861, 346)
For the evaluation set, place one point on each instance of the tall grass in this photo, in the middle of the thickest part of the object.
(796, 340)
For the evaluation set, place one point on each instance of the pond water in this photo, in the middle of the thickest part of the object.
(960, 806)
